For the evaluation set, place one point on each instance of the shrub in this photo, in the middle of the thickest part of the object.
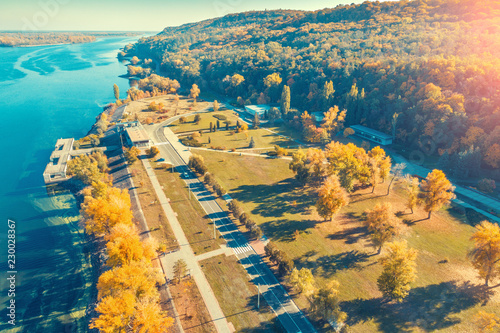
(220, 116)
(191, 143)
(486, 185)
(153, 151)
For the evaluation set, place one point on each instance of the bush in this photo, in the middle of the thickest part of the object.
(271, 250)
(486, 185)
(220, 116)
(235, 208)
(197, 119)
(153, 151)
(191, 143)
(197, 163)
(131, 154)
(256, 232)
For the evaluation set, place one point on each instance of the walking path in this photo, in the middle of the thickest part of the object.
(188, 255)
(223, 250)
(290, 316)
(240, 153)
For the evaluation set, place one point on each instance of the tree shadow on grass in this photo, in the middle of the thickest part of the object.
(326, 266)
(427, 308)
(277, 199)
(351, 235)
(283, 230)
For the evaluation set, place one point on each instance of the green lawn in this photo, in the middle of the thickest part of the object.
(206, 119)
(446, 294)
(261, 137)
(197, 227)
(237, 296)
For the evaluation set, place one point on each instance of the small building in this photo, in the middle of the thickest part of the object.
(136, 136)
(123, 126)
(55, 171)
(257, 109)
(372, 135)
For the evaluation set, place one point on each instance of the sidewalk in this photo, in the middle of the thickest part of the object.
(187, 254)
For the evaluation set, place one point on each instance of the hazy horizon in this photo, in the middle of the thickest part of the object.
(112, 16)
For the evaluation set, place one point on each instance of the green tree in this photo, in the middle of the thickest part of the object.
(285, 100)
(399, 270)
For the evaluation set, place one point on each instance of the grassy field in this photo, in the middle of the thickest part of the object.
(446, 294)
(261, 137)
(153, 212)
(237, 296)
(140, 110)
(206, 118)
(197, 227)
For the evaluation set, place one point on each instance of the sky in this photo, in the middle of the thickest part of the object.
(128, 15)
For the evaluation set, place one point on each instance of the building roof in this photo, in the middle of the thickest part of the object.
(371, 131)
(59, 157)
(137, 134)
(259, 109)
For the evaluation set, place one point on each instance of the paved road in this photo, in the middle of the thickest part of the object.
(290, 316)
(414, 169)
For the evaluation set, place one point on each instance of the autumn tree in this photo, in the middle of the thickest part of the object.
(436, 191)
(333, 121)
(237, 79)
(383, 161)
(86, 169)
(399, 271)
(256, 121)
(103, 213)
(492, 156)
(195, 92)
(332, 197)
(397, 172)
(137, 278)
(216, 106)
(116, 91)
(115, 313)
(325, 303)
(180, 269)
(272, 80)
(302, 280)
(298, 165)
(131, 154)
(485, 322)
(152, 152)
(382, 224)
(485, 255)
(349, 162)
(411, 186)
(124, 246)
(327, 93)
(285, 100)
(148, 317)
(316, 164)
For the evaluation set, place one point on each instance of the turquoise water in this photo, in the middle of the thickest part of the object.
(46, 93)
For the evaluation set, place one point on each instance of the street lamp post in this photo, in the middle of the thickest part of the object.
(258, 296)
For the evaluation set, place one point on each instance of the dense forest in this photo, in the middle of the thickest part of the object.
(426, 71)
(11, 39)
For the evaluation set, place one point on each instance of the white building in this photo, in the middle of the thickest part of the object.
(137, 136)
(259, 109)
(55, 171)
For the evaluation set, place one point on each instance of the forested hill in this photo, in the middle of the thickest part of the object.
(435, 63)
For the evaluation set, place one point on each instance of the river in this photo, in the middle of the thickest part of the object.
(46, 93)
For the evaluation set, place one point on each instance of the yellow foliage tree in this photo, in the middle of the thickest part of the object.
(382, 224)
(115, 313)
(103, 213)
(195, 91)
(302, 281)
(137, 278)
(492, 156)
(485, 322)
(332, 197)
(399, 271)
(411, 185)
(436, 191)
(272, 80)
(148, 317)
(349, 162)
(485, 255)
(124, 246)
(326, 303)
